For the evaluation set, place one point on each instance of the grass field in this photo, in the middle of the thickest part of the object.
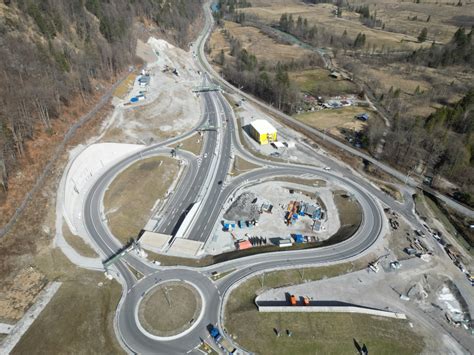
(192, 144)
(317, 82)
(130, 198)
(123, 89)
(254, 41)
(444, 17)
(77, 243)
(312, 333)
(241, 166)
(335, 119)
(165, 319)
(322, 16)
(400, 29)
(79, 318)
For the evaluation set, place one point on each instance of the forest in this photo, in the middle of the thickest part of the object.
(54, 50)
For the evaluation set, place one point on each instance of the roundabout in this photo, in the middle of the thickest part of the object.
(149, 319)
(170, 308)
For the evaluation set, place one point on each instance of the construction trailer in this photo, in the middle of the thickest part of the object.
(244, 244)
(285, 242)
(298, 238)
(263, 132)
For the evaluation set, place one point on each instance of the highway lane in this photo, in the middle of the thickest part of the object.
(290, 121)
(216, 184)
(179, 207)
(216, 196)
(406, 209)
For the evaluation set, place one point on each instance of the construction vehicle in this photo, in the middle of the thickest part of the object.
(374, 266)
(293, 300)
(292, 212)
(222, 343)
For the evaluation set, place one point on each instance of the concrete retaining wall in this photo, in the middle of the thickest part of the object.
(336, 309)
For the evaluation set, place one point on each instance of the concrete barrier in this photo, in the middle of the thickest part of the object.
(333, 309)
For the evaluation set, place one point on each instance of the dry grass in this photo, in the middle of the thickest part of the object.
(165, 319)
(241, 166)
(77, 243)
(399, 31)
(322, 16)
(444, 21)
(20, 293)
(350, 215)
(130, 198)
(192, 144)
(301, 181)
(79, 319)
(124, 88)
(313, 333)
(257, 43)
(334, 119)
(317, 82)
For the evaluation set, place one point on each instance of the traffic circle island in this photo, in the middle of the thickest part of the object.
(169, 309)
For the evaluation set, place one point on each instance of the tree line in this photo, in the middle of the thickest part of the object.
(441, 144)
(268, 81)
(54, 50)
(459, 51)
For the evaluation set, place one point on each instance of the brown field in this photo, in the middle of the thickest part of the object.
(165, 319)
(77, 243)
(321, 15)
(241, 166)
(447, 83)
(128, 205)
(124, 88)
(335, 119)
(399, 32)
(257, 43)
(317, 82)
(313, 333)
(79, 318)
(192, 144)
(444, 17)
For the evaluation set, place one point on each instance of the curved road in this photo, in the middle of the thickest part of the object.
(204, 182)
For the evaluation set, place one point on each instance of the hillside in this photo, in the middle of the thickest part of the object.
(58, 57)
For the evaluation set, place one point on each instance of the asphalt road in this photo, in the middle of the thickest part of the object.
(341, 145)
(209, 182)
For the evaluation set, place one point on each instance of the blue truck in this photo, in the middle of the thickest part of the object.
(221, 342)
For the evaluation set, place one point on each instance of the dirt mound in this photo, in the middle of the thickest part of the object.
(244, 208)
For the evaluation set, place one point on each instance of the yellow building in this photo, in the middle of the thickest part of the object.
(263, 132)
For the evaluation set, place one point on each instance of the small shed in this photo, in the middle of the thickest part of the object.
(298, 238)
(285, 242)
(244, 244)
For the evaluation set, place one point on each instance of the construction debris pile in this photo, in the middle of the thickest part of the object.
(243, 210)
(440, 297)
(298, 209)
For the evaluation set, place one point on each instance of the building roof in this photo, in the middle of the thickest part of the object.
(263, 127)
(245, 244)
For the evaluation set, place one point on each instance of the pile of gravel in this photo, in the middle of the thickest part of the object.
(245, 208)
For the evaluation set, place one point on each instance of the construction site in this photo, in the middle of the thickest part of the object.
(278, 213)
